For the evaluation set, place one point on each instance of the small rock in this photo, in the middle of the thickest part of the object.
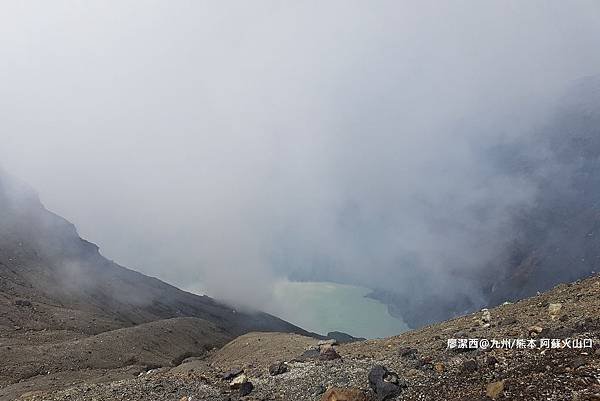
(344, 394)
(486, 317)
(509, 321)
(309, 354)
(278, 369)
(491, 361)
(246, 388)
(554, 310)
(330, 341)
(328, 353)
(232, 374)
(384, 383)
(534, 330)
(469, 366)
(238, 381)
(425, 363)
(439, 367)
(407, 352)
(493, 390)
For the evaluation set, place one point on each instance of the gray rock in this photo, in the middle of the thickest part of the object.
(23, 302)
(384, 383)
(246, 388)
(309, 354)
(469, 366)
(233, 373)
(509, 321)
(407, 352)
(278, 369)
(328, 353)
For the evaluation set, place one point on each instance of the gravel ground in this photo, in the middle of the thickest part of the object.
(421, 358)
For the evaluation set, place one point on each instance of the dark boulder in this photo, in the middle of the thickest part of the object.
(384, 383)
(246, 388)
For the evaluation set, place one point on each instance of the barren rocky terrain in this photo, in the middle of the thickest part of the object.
(419, 365)
(68, 315)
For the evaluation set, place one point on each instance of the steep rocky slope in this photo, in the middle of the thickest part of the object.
(66, 283)
(562, 228)
(291, 367)
(66, 312)
(560, 161)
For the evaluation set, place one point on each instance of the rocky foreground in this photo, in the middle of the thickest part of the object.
(555, 355)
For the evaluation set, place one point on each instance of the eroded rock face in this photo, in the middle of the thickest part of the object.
(384, 383)
(344, 394)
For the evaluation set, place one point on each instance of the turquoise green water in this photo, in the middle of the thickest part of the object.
(325, 307)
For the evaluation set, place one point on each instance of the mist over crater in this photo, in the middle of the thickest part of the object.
(406, 147)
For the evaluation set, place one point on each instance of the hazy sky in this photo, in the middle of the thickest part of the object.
(223, 145)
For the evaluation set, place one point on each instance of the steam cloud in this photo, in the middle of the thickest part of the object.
(227, 146)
